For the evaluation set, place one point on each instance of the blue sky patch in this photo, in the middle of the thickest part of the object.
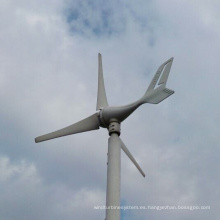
(90, 18)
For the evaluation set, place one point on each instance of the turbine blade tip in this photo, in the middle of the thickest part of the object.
(170, 60)
(36, 140)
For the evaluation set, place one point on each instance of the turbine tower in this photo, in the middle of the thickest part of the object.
(111, 117)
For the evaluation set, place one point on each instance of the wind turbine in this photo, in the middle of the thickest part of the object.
(111, 117)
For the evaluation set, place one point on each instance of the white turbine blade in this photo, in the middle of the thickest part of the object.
(101, 98)
(87, 124)
(127, 152)
(164, 77)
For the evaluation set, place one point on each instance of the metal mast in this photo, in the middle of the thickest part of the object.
(113, 172)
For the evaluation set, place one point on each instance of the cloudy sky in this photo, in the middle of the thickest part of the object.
(48, 80)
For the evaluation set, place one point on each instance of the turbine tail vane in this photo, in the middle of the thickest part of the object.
(127, 152)
(87, 124)
(101, 98)
(156, 95)
(166, 72)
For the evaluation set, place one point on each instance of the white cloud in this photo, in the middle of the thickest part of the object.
(26, 195)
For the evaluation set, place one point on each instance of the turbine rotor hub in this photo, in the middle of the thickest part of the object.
(101, 119)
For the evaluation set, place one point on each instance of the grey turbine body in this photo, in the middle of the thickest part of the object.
(111, 117)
